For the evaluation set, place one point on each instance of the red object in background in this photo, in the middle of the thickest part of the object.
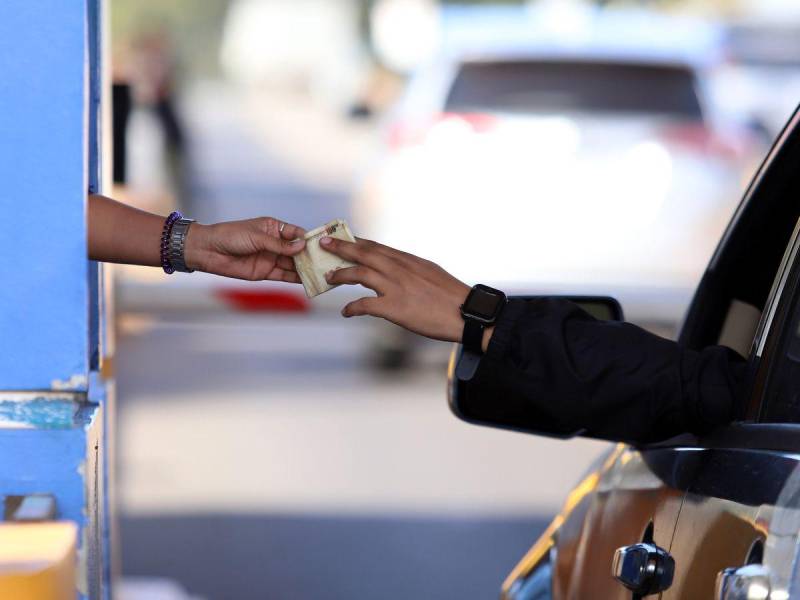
(701, 139)
(263, 300)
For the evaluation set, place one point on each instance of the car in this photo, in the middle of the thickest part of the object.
(534, 160)
(716, 516)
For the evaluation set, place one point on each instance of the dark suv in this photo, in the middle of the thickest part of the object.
(717, 516)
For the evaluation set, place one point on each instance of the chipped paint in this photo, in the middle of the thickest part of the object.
(78, 381)
(38, 412)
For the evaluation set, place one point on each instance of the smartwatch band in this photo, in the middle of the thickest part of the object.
(472, 339)
(476, 318)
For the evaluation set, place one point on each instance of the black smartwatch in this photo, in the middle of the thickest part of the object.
(482, 307)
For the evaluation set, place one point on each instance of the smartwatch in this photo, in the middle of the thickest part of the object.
(482, 307)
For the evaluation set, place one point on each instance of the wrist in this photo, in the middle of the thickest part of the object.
(481, 309)
(197, 246)
(459, 297)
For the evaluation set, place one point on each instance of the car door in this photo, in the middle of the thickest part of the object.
(741, 471)
(630, 503)
(708, 501)
(738, 473)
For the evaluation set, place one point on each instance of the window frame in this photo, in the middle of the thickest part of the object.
(753, 433)
(702, 321)
(779, 314)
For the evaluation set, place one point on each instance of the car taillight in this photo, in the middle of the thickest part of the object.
(402, 135)
(699, 138)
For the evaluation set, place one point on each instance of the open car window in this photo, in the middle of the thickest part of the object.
(778, 345)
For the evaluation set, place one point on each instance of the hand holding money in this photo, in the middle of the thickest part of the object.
(313, 263)
(411, 292)
(254, 249)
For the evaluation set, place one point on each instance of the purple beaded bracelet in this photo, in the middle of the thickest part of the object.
(165, 235)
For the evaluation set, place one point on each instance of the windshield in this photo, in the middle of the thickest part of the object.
(563, 86)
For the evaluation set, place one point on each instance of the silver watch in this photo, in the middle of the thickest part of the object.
(176, 246)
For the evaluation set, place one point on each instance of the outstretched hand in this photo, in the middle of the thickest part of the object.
(411, 291)
(254, 249)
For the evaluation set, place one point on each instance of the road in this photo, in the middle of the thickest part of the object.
(261, 458)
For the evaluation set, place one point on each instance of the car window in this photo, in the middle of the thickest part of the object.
(781, 347)
(536, 86)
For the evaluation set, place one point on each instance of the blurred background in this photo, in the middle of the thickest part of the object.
(268, 448)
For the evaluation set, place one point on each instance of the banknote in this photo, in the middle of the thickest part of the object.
(313, 262)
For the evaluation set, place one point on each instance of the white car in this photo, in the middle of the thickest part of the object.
(540, 161)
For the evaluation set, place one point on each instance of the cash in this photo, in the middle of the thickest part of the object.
(313, 262)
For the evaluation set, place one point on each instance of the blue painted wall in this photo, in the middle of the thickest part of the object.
(44, 285)
(52, 322)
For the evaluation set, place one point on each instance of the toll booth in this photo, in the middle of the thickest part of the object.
(56, 378)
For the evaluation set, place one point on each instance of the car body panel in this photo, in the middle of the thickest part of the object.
(728, 509)
(629, 498)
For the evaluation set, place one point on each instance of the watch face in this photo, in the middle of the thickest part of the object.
(484, 303)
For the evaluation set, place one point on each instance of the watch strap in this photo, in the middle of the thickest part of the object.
(472, 338)
(467, 365)
(176, 246)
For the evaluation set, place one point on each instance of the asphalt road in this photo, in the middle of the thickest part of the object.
(261, 458)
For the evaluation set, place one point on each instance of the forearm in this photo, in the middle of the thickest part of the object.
(559, 370)
(122, 234)
(253, 249)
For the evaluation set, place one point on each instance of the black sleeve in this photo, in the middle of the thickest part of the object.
(551, 367)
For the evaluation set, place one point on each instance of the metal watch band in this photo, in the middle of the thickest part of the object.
(176, 247)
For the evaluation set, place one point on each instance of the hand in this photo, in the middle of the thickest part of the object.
(411, 292)
(255, 249)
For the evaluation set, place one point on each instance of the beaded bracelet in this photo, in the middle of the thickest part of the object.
(165, 235)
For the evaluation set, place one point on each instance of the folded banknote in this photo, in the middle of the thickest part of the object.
(313, 262)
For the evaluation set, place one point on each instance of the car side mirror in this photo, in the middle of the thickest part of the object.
(482, 411)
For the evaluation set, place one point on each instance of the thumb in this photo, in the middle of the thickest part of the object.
(289, 247)
(268, 238)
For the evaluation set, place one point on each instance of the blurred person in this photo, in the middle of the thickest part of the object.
(254, 249)
(122, 105)
(153, 73)
(547, 359)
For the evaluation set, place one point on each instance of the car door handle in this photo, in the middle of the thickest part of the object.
(751, 582)
(643, 568)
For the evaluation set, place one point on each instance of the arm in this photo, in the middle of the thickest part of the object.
(254, 249)
(549, 363)
(555, 367)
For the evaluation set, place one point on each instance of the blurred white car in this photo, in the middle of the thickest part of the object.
(570, 161)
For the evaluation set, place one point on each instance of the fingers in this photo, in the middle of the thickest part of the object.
(362, 275)
(270, 238)
(285, 262)
(290, 232)
(281, 246)
(362, 252)
(278, 274)
(363, 306)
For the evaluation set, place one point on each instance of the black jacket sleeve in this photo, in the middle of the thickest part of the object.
(551, 367)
